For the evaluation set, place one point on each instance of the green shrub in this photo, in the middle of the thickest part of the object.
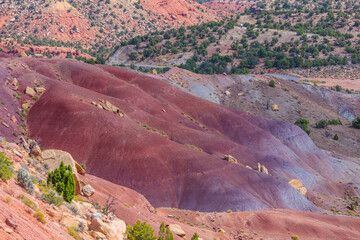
(195, 237)
(140, 231)
(25, 180)
(334, 122)
(336, 137)
(321, 124)
(303, 124)
(165, 233)
(51, 196)
(63, 180)
(294, 237)
(272, 83)
(324, 123)
(40, 217)
(6, 169)
(356, 123)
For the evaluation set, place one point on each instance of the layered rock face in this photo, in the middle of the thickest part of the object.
(169, 145)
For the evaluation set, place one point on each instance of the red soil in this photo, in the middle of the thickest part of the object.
(188, 12)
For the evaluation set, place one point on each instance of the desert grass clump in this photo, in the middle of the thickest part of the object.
(40, 217)
(28, 202)
(72, 232)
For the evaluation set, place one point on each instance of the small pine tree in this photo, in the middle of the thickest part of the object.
(63, 181)
(336, 137)
(165, 233)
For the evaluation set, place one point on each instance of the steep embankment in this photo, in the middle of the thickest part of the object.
(169, 145)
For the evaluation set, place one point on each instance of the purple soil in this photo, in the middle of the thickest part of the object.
(164, 170)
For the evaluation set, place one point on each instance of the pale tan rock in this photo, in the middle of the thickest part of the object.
(25, 105)
(13, 119)
(5, 124)
(264, 170)
(99, 226)
(230, 158)
(302, 190)
(15, 83)
(298, 185)
(275, 107)
(295, 183)
(11, 223)
(227, 93)
(29, 91)
(87, 190)
(240, 94)
(119, 228)
(22, 54)
(8, 230)
(40, 90)
(97, 235)
(177, 230)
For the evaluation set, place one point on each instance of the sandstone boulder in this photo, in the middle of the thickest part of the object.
(119, 227)
(177, 230)
(230, 158)
(11, 223)
(25, 105)
(40, 90)
(227, 93)
(98, 235)
(275, 107)
(262, 168)
(87, 190)
(15, 83)
(35, 150)
(22, 54)
(298, 185)
(29, 91)
(99, 226)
